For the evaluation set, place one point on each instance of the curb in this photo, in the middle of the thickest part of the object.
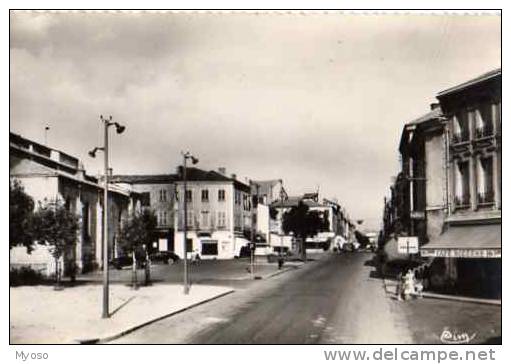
(439, 296)
(461, 298)
(281, 272)
(102, 340)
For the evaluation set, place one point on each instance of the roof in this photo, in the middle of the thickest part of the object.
(293, 201)
(462, 86)
(199, 175)
(431, 115)
(456, 240)
(144, 178)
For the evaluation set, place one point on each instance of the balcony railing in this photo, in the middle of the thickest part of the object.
(460, 137)
(484, 131)
(462, 201)
(485, 197)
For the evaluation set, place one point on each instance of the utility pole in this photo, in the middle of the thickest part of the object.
(107, 122)
(186, 283)
(46, 128)
(105, 225)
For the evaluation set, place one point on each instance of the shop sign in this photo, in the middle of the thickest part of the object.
(461, 253)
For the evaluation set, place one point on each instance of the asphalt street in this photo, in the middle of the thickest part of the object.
(331, 300)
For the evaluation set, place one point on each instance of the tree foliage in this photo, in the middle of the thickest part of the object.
(52, 224)
(21, 207)
(303, 223)
(138, 230)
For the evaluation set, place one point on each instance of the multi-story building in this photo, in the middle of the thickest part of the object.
(219, 214)
(470, 244)
(448, 192)
(48, 174)
(422, 179)
(158, 193)
(339, 228)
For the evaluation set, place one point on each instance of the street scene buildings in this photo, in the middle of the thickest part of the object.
(183, 178)
(448, 192)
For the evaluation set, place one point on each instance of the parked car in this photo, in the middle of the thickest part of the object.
(126, 261)
(164, 257)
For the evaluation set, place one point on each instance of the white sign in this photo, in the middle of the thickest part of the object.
(407, 245)
(461, 253)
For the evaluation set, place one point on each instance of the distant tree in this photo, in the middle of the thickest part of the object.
(55, 226)
(21, 207)
(303, 223)
(136, 238)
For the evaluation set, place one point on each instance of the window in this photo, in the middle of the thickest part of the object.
(188, 195)
(221, 219)
(145, 199)
(485, 181)
(163, 195)
(237, 197)
(205, 219)
(460, 127)
(462, 184)
(190, 218)
(205, 195)
(221, 195)
(484, 124)
(165, 221)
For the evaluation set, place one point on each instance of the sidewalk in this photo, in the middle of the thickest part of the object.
(429, 318)
(41, 315)
(208, 272)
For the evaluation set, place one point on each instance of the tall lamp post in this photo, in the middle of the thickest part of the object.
(282, 197)
(107, 122)
(186, 285)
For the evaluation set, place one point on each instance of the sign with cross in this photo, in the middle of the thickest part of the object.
(408, 245)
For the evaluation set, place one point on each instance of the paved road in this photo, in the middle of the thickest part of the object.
(331, 300)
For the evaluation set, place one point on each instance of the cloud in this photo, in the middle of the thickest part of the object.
(314, 99)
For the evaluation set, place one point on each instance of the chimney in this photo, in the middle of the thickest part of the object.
(233, 175)
(434, 106)
(221, 170)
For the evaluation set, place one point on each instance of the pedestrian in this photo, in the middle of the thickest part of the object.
(196, 257)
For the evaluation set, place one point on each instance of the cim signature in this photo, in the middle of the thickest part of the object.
(455, 337)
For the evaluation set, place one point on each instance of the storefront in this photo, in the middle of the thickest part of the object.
(469, 259)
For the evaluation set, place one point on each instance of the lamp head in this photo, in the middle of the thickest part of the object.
(119, 128)
(195, 160)
(92, 153)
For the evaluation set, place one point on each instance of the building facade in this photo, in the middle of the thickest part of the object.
(470, 244)
(219, 214)
(47, 175)
(157, 193)
(448, 192)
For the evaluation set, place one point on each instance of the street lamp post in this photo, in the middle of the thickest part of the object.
(282, 195)
(107, 122)
(186, 285)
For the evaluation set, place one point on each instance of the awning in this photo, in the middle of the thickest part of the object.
(466, 241)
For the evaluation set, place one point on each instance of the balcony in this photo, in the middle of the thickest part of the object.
(484, 131)
(458, 138)
(485, 198)
(462, 201)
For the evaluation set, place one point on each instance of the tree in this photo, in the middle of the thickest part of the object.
(136, 238)
(21, 207)
(303, 223)
(53, 225)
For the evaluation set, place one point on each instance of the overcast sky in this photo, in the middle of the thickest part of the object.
(317, 100)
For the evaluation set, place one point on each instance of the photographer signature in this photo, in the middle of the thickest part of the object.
(455, 337)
